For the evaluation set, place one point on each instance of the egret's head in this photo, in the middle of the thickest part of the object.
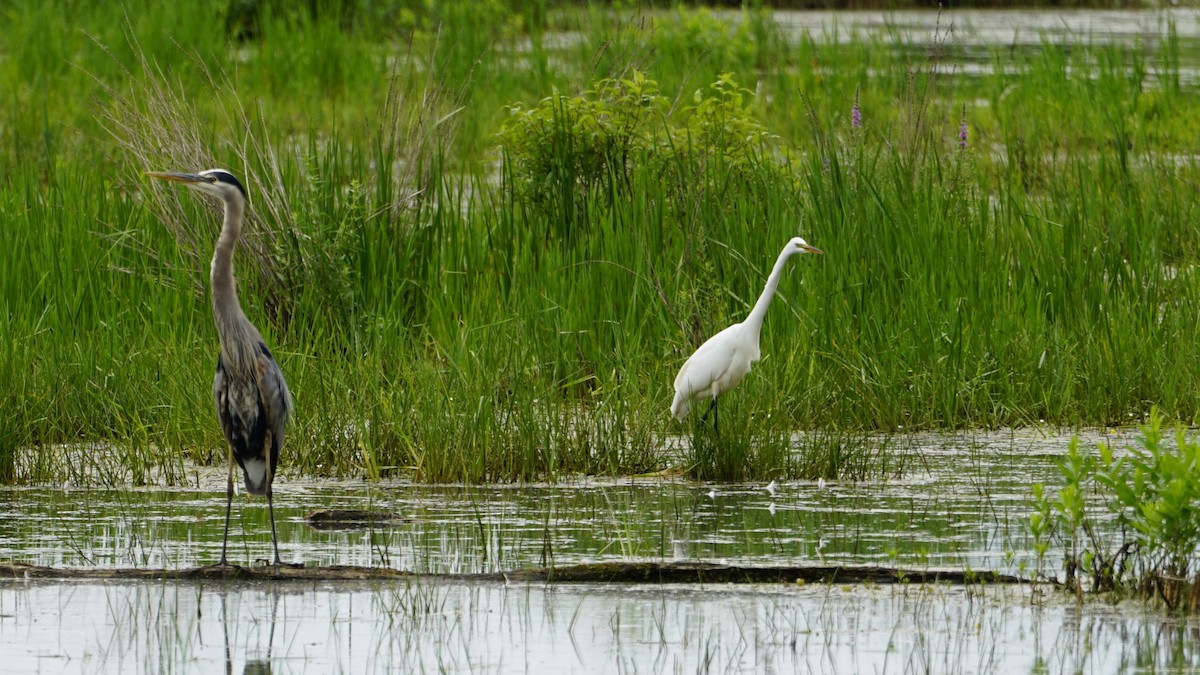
(798, 245)
(216, 182)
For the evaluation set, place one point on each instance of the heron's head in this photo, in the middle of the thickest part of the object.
(216, 182)
(798, 245)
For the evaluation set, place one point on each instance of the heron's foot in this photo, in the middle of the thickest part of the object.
(223, 566)
(263, 562)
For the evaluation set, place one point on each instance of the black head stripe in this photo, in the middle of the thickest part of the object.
(223, 176)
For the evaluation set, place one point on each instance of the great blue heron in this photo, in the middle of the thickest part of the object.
(725, 358)
(253, 402)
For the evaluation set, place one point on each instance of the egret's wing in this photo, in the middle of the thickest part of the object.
(708, 363)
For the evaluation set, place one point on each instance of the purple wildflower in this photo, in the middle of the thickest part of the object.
(962, 129)
(856, 113)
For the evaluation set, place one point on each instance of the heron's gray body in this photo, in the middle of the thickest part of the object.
(253, 412)
(253, 402)
(252, 398)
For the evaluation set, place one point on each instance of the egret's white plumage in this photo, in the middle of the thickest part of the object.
(725, 358)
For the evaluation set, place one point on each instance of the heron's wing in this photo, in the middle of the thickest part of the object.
(273, 392)
(220, 397)
(253, 409)
(245, 425)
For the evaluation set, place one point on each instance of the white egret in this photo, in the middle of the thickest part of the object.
(725, 358)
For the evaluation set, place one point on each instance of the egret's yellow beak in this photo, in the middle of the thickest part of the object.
(812, 249)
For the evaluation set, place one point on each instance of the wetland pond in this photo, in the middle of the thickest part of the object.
(961, 504)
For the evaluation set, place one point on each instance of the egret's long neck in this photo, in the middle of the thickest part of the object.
(754, 322)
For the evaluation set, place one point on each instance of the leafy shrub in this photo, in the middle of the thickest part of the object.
(564, 148)
(569, 145)
(1152, 493)
(722, 131)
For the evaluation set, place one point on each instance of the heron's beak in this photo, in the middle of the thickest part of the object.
(812, 249)
(179, 177)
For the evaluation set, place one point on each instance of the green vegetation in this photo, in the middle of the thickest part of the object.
(484, 258)
(1153, 493)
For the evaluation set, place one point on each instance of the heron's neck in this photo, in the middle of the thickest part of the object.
(754, 321)
(224, 290)
(232, 326)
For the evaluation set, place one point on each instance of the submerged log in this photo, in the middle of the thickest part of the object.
(603, 573)
(349, 519)
(229, 572)
(701, 572)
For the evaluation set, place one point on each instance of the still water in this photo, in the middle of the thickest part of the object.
(962, 503)
(996, 27)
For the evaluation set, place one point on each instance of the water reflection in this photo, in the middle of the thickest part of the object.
(963, 503)
(435, 626)
(256, 662)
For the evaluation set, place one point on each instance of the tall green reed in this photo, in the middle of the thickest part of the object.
(434, 322)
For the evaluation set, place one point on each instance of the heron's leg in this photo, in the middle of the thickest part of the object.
(274, 537)
(228, 504)
(270, 502)
(716, 418)
(711, 407)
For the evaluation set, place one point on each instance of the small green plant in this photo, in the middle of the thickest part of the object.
(1151, 494)
(724, 137)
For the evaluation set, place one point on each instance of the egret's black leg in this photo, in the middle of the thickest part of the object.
(228, 506)
(712, 408)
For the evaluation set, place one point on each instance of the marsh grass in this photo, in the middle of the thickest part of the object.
(433, 322)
